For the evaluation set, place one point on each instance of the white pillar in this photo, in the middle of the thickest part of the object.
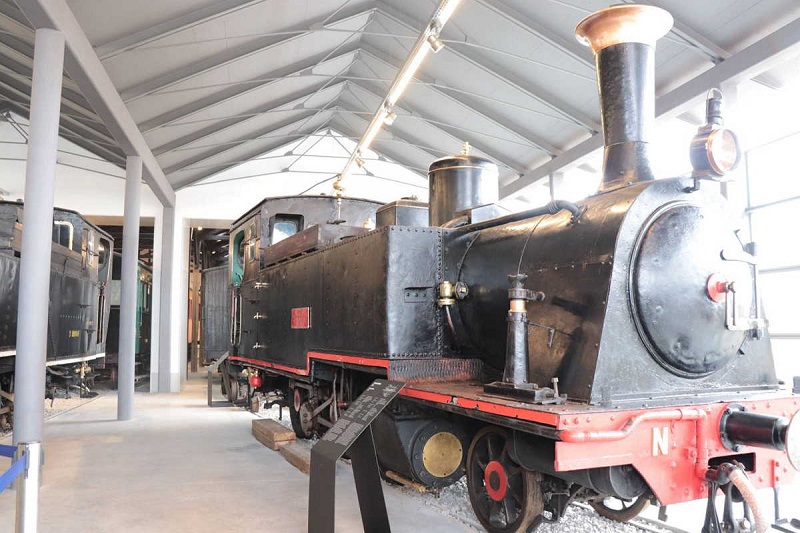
(166, 324)
(155, 309)
(130, 275)
(34, 279)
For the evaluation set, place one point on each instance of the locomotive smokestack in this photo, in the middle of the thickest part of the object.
(623, 39)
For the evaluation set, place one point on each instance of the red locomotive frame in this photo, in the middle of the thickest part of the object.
(665, 445)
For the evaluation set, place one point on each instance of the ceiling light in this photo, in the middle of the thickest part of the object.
(359, 161)
(427, 41)
(407, 74)
(372, 132)
(435, 43)
(445, 12)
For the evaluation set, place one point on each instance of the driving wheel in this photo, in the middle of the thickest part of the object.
(506, 498)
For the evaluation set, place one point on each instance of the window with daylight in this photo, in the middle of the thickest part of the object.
(773, 197)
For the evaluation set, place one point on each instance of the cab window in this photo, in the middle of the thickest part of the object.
(63, 233)
(284, 226)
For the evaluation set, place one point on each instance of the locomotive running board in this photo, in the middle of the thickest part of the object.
(407, 370)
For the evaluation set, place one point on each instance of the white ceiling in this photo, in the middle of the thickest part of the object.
(212, 84)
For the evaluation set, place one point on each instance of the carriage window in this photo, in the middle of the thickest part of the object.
(102, 253)
(237, 265)
(103, 259)
(283, 226)
(63, 233)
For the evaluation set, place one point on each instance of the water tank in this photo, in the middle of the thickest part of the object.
(460, 182)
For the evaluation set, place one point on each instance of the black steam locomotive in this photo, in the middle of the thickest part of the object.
(78, 316)
(612, 349)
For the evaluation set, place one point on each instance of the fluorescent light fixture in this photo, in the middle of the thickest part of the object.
(372, 131)
(445, 11)
(407, 74)
(428, 41)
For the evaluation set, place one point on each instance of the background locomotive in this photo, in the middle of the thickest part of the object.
(609, 349)
(144, 301)
(78, 317)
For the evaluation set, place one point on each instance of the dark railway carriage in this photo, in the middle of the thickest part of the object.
(144, 301)
(613, 349)
(215, 301)
(79, 274)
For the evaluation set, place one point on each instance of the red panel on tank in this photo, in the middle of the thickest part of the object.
(301, 318)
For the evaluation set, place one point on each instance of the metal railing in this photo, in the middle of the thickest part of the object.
(25, 470)
(17, 467)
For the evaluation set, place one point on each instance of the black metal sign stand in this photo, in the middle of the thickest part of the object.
(351, 432)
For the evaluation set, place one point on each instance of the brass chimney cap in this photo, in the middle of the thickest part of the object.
(623, 23)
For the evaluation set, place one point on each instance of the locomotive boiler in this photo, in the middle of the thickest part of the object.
(613, 349)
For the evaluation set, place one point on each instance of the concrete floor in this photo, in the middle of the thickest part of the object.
(182, 466)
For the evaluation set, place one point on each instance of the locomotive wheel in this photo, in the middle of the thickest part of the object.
(300, 414)
(233, 392)
(505, 497)
(620, 510)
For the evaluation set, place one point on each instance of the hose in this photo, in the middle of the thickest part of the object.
(741, 481)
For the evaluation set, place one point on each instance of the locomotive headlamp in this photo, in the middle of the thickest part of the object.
(714, 151)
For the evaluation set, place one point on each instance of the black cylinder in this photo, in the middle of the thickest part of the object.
(516, 370)
(625, 76)
(754, 429)
(460, 182)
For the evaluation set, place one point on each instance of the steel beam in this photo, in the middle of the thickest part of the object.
(226, 124)
(215, 10)
(340, 125)
(232, 55)
(129, 282)
(243, 89)
(21, 91)
(481, 61)
(760, 56)
(474, 105)
(202, 157)
(96, 87)
(260, 149)
(34, 271)
(448, 131)
(570, 47)
(72, 133)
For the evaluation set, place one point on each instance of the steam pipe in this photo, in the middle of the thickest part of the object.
(623, 39)
(551, 208)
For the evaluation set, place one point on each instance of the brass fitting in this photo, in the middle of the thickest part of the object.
(446, 294)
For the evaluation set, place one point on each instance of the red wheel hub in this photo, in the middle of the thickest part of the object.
(495, 480)
(298, 400)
